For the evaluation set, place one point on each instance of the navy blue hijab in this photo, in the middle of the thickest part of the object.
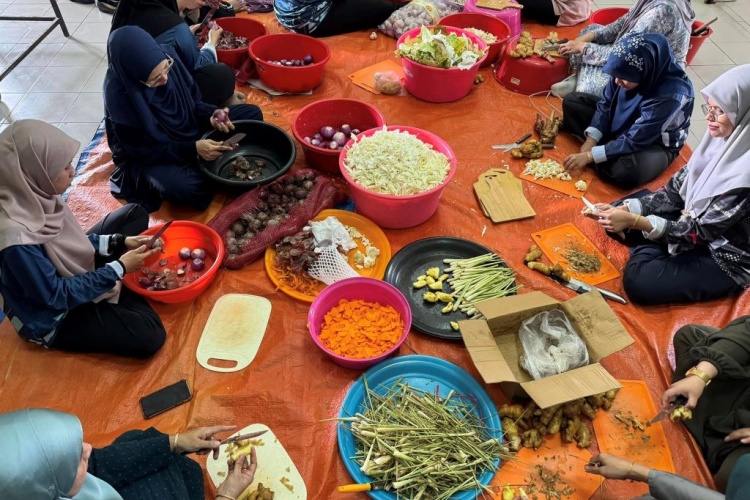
(165, 113)
(645, 59)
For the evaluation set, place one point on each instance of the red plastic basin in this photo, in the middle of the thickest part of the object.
(368, 289)
(289, 46)
(696, 41)
(400, 212)
(240, 26)
(530, 75)
(182, 234)
(482, 22)
(511, 17)
(607, 16)
(334, 113)
(439, 84)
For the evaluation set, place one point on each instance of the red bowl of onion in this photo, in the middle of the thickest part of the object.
(324, 127)
(190, 260)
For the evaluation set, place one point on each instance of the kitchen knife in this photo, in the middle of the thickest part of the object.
(590, 205)
(581, 287)
(206, 20)
(234, 141)
(678, 401)
(356, 488)
(158, 235)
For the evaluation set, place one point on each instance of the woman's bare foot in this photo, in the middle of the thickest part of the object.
(237, 98)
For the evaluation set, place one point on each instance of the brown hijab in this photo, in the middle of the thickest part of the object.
(32, 155)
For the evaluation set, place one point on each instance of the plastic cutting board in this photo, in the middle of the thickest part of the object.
(274, 464)
(234, 331)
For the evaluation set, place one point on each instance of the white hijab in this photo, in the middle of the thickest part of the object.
(40, 458)
(721, 165)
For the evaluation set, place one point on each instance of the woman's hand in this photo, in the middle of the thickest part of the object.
(225, 126)
(133, 242)
(588, 145)
(134, 259)
(612, 467)
(572, 47)
(690, 387)
(241, 475)
(210, 150)
(238, 6)
(615, 220)
(200, 441)
(741, 435)
(577, 161)
(214, 34)
(194, 29)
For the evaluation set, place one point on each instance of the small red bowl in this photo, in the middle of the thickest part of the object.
(240, 26)
(182, 234)
(484, 22)
(289, 46)
(332, 112)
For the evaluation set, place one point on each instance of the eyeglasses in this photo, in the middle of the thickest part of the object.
(162, 76)
(712, 110)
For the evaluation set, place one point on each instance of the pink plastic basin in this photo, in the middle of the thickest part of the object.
(439, 84)
(334, 113)
(607, 16)
(483, 22)
(400, 212)
(368, 289)
(511, 17)
(696, 41)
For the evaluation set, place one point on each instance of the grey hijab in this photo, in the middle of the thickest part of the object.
(642, 6)
(721, 165)
(41, 454)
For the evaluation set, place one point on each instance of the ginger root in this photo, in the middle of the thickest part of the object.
(532, 439)
(262, 493)
(583, 436)
(514, 411)
(588, 410)
(680, 413)
(571, 429)
(534, 254)
(512, 434)
(553, 427)
(539, 267)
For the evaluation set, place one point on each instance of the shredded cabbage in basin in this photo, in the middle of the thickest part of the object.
(440, 50)
(395, 162)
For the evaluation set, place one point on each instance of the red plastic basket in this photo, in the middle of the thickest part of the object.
(289, 46)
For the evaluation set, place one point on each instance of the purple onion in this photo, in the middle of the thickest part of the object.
(327, 132)
(355, 131)
(145, 281)
(340, 138)
(316, 142)
(185, 253)
(198, 253)
(308, 59)
(333, 145)
(221, 116)
(197, 264)
(317, 136)
(308, 140)
(346, 129)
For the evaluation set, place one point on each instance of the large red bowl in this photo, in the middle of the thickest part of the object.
(279, 46)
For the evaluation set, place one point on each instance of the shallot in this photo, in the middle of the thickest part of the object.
(198, 253)
(340, 139)
(333, 145)
(221, 116)
(197, 264)
(345, 129)
(184, 253)
(327, 132)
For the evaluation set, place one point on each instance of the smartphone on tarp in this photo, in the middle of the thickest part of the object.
(165, 399)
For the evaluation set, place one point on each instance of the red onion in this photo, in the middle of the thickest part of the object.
(327, 132)
(346, 130)
(355, 131)
(340, 138)
(145, 281)
(185, 253)
(308, 59)
(317, 136)
(315, 142)
(198, 253)
(308, 140)
(333, 145)
(197, 264)
(221, 116)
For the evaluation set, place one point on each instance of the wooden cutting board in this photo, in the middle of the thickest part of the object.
(501, 196)
(498, 4)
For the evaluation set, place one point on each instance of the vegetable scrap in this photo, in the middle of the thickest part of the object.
(681, 413)
(297, 251)
(547, 169)
(524, 47)
(630, 422)
(285, 481)
(485, 36)
(367, 259)
(526, 426)
(275, 203)
(582, 261)
(373, 36)
(401, 437)
(553, 487)
(230, 41)
(581, 185)
(305, 61)
(262, 493)
(359, 329)
(332, 138)
(529, 149)
(478, 79)
(395, 162)
(166, 275)
(439, 49)
(241, 170)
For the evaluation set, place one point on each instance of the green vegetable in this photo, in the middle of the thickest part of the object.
(433, 47)
(421, 445)
(477, 279)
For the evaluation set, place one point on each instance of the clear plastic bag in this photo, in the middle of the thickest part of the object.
(551, 345)
(389, 83)
(416, 14)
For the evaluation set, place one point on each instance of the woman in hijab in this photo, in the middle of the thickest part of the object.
(590, 51)
(161, 20)
(693, 236)
(58, 286)
(635, 130)
(155, 118)
(46, 458)
(321, 18)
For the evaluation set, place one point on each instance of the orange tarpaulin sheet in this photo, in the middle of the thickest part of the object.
(291, 385)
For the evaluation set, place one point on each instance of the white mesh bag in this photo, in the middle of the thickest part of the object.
(551, 345)
(330, 267)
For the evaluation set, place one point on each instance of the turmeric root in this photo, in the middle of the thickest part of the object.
(539, 267)
(556, 422)
(534, 254)
(583, 436)
(532, 439)
(511, 411)
(680, 413)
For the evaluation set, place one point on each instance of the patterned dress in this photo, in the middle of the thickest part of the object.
(724, 227)
(663, 18)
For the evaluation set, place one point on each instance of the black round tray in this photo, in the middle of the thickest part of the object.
(412, 261)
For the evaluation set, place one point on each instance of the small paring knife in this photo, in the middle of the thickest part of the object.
(590, 205)
(235, 140)
(581, 287)
(678, 401)
(242, 437)
(158, 235)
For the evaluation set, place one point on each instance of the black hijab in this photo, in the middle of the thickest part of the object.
(153, 16)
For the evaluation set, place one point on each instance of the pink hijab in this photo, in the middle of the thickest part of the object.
(32, 154)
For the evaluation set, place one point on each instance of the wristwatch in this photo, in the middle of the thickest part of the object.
(699, 373)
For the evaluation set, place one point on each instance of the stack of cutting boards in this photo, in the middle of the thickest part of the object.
(501, 196)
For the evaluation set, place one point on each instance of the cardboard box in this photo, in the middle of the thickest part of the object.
(494, 346)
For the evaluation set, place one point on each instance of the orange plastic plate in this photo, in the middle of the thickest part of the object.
(565, 187)
(555, 241)
(649, 448)
(350, 219)
(556, 456)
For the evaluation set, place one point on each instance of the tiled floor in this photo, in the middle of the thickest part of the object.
(61, 80)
